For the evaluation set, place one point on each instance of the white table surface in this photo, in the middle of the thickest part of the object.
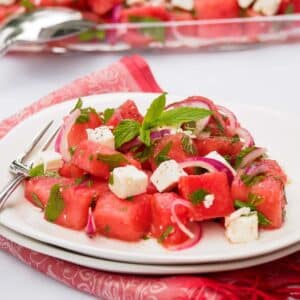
(269, 76)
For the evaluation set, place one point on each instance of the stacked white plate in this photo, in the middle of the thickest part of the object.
(24, 224)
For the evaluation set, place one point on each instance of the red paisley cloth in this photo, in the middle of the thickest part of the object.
(276, 280)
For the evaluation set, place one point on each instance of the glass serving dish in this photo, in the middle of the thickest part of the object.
(205, 35)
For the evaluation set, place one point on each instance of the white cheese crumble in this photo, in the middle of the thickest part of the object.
(245, 3)
(167, 175)
(51, 160)
(102, 135)
(215, 155)
(241, 226)
(267, 7)
(209, 200)
(183, 4)
(7, 2)
(128, 181)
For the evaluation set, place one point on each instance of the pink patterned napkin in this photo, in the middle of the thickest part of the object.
(276, 280)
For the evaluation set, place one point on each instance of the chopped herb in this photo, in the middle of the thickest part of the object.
(126, 131)
(189, 125)
(91, 157)
(240, 204)
(227, 158)
(262, 219)
(130, 198)
(166, 233)
(107, 114)
(78, 105)
(235, 139)
(111, 179)
(145, 237)
(92, 34)
(80, 180)
(83, 118)
(90, 183)
(255, 199)
(252, 180)
(163, 154)
(158, 33)
(188, 146)
(107, 229)
(38, 170)
(241, 156)
(219, 125)
(198, 196)
(145, 154)
(37, 201)
(55, 204)
(290, 9)
(28, 5)
(112, 160)
(72, 150)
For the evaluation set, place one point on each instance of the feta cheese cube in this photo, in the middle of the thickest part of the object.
(245, 3)
(134, 2)
(167, 175)
(241, 226)
(215, 155)
(184, 4)
(51, 160)
(102, 135)
(7, 2)
(209, 200)
(128, 181)
(267, 7)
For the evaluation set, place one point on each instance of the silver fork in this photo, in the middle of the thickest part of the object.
(19, 167)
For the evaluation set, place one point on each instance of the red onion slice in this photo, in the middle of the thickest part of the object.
(197, 232)
(62, 139)
(58, 140)
(159, 134)
(91, 226)
(252, 156)
(233, 123)
(175, 218)
(257, 169)
(245, 136)
(210, 164)
(116, 13)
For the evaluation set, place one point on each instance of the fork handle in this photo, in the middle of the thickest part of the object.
(7, 38)
(9, 189)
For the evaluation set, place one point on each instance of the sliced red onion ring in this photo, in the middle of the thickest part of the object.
(233, 123)
(257, 169)
(62, 145)
(245, 136)
(91, 226)
(175, 218)
(197, 232)
(159, 134)
(210, 164)
(252, 156)
(58, 140)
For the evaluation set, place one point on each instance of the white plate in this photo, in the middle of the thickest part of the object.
(271, 129)
(128, 268)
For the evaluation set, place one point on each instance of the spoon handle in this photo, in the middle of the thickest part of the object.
(7, 38)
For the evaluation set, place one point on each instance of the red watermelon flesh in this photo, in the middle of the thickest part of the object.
(69, 170)
(127, 220)
(212, 183)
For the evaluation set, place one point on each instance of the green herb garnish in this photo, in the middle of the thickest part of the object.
(290, 9)
(28, 5)
(112, 160)
(235, 139)
(242, 154)
(111, 179)
(37, 201)
(166, 233)
(130, 198)
(55, 204)
(145, 154)
(163, 154)
(107, 114)
(126, 131)
(188, 146)
(107, 229)
(198, 196)
(252, 180)
(92, 34)
(72, 150)
(84, 112)
(38, 170)
(78, 105)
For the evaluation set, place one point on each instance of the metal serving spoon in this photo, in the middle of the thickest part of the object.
(42, 25)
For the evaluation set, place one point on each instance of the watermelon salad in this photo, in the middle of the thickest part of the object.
(123, 175)
(152, 11)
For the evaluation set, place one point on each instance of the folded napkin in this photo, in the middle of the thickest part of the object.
(276, 280)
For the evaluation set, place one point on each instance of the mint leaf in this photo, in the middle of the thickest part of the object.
(241, 156)
(262, 219)
(72, 150)
(180, 115)
(252, 180)
(145, 136)
(111, 179)
(166, 233)
(126, 131)
(198, 196)
(55, 204)
(163, 154)
(37, 201)
(154, 112)
(240, 204)
(290, 9)
(255, 199)
(78, 105)
(112, 160)
(235, 139)
(188, 146)
(28, 5)
(145, 154)
(91, 34)
(157, 33)
(36, 171)
(107, 114)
